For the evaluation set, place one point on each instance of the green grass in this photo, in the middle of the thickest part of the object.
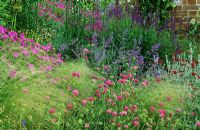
(32, 106)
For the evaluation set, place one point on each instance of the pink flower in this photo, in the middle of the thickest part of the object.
(48, 68)
(119, 98)
(52, 110)
(161, 104)
(136, 80)
(178, 110)
(135, 123)
(91, 99)
(193, 113)
(105, 67)
(169, 98)
(114, 113)
(75, 92)
(25, 90)
(69, 106)
(35, 51)
(198, 124)
(30, 66)
(13, 74)
(84, 102)
(25, 53)
(122, 113)
(125, 126)
(16, 54)
(134, 107)
(105, 90)
(126, 108)
(135, 67)
(152, 108)
(86, 51)
(76, 74)
(144, 84)
(118, 125)
(122, 81)
(162, 113)
(108, 111)
(109, 83)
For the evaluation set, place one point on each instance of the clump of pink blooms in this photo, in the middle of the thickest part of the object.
(27, 47)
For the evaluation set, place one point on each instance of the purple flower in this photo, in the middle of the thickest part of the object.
(30, 66)
(16, 54)
(23, 123)
(25, 53)
(12, 73)
(35, 51)
(48, 68)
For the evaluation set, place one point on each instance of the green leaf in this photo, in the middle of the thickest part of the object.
(80, 121)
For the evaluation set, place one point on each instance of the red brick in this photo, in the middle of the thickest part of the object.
(192, 13)
(179, 7)
(190, 7)
(192, 1)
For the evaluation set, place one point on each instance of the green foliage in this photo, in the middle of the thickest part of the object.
(157, 6)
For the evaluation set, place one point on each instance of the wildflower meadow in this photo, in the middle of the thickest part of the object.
(98, 65)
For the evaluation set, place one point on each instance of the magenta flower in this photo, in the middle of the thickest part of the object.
(86, 51)
(105, 67)
(109, 83)
(162, 113)
(35, 51)
(108, 111)
(123, 113)
(122, 81)
(152, 108)
(25, 53)
(198, 124)
(126, 108)
(114, 113)
(30, 66)
(135, 123)
(169, 98)
(134, 107)
(16, 54)
(75, 92)
(48, 68)
(13, 74)
(84, 102)
(161, 104)
(52, 110)
(69, 106)
(76, 74)
(119, 98)
(136, 80)
(90, 99)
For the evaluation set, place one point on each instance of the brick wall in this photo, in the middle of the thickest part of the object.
(185, 11)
